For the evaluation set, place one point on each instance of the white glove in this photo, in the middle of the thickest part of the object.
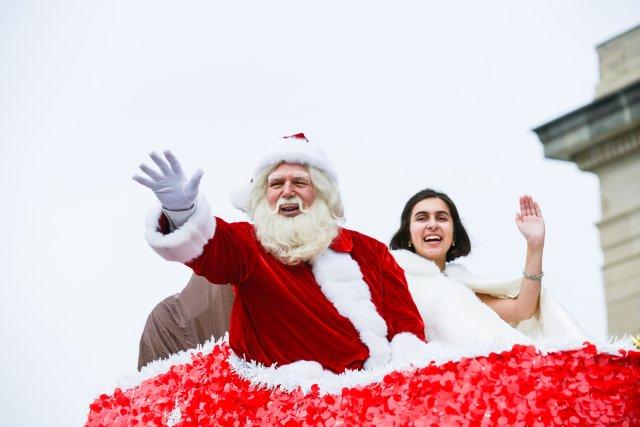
(171, 186)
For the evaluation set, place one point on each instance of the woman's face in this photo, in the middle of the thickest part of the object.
(432, 230)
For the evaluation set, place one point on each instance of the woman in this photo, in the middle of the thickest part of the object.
(459, 308)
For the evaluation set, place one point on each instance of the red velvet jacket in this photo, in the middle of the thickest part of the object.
(342, 309)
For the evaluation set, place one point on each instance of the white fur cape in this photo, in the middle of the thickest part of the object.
(457, 315)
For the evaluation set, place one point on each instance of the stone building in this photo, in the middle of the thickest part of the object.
(603, 137)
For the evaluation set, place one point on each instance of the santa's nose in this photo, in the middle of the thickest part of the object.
(287, 189)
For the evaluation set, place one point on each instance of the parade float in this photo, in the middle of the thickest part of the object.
(335, 330)
(526, 386)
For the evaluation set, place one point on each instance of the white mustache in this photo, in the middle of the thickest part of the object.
(289, 201)
(295, 239)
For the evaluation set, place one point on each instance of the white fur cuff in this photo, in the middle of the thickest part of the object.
(184, 243)
(408, 349)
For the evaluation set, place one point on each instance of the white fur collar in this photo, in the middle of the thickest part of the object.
(415, 264)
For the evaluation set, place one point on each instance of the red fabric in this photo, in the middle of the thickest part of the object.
(281, 315)
(296, 136)
(520, 387)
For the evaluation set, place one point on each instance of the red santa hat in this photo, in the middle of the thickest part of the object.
(294, 149)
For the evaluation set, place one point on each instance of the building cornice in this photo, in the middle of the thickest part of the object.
(595, 133)
(608, 150)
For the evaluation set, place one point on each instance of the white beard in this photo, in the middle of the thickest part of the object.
(295, 239)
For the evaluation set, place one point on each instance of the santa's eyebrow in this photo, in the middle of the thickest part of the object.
(273, 176)
(301, 175)
(295, 175)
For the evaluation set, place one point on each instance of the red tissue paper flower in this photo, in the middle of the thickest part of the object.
(520, 387)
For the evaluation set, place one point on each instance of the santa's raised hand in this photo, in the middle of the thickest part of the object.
(530, 222)
(172, 188)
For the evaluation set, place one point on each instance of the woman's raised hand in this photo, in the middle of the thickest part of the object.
(530, 222)
(170, 185)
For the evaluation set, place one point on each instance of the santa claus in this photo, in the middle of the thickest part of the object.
(308, 291)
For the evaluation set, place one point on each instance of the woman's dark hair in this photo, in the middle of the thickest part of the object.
(461, 243)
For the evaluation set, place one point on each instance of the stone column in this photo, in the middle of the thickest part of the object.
(604, 138)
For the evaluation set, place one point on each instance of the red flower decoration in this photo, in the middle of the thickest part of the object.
(520, 387)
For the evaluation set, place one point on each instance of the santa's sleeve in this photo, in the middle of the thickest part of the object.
(397, 304)
(211, 247)
(406, 329)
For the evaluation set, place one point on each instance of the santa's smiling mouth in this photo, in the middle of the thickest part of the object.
(289, 210)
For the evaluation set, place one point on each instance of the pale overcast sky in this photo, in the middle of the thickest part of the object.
(402, 95)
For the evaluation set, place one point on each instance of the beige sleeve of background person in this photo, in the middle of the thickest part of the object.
(184, 320)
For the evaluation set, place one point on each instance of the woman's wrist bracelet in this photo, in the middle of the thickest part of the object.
(533, 276)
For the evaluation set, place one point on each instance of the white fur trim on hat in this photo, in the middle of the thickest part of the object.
(240, 197)
(294, 149)
(297, 151)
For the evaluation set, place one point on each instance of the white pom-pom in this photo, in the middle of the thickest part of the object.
(240, 197)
